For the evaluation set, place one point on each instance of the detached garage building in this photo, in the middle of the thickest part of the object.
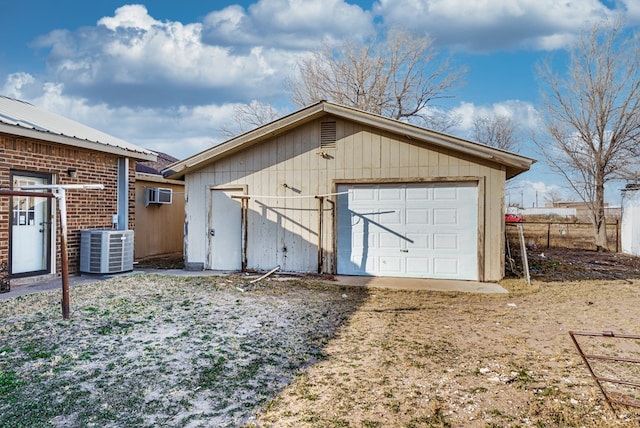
(332, 189)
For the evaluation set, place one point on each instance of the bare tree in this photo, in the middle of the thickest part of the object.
(247, 117)
(554, 197)
(593, 116)
(399, 77)
(495, 131)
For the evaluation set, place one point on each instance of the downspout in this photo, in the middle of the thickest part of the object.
(123, 194)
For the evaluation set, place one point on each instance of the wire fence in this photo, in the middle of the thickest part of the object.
(574, 235)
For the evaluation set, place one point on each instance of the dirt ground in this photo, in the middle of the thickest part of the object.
(419, 359)
(565, 264)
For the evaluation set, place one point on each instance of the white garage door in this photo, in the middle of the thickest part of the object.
(427, 230)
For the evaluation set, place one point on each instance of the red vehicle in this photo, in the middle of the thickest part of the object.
(514, 218)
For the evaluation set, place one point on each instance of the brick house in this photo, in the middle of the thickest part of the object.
(38, 147)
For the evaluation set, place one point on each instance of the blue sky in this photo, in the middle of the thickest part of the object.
(166, 74)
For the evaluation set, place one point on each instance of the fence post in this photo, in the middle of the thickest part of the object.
(617, 235)
(548, 235)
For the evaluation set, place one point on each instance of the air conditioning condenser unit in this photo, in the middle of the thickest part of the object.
(106, 251)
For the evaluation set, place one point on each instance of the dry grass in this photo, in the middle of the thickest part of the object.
(431, 359)
(164, 351)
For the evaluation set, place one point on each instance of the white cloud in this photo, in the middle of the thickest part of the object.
(291, 24)
(130, 16)
(185, 130)
(632, 11)
(131, 58)
(524, 115)
(527, 193)
(493, 24)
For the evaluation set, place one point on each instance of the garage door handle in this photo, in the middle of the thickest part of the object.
(404, 251)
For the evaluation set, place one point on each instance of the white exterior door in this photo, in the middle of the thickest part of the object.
(30, 230)
(426, 230)
(225, 231)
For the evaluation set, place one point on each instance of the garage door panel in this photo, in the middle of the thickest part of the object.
(418, 266)
(391, 266)
(390, 194)
(362, 194)
(445, 194)
(445, 241)
(389, 217)
(445, 266)
(390, 241)
(414, 230)
(418, 216)
(418, 193)
(365, 240)
(445, 216)
(419, 241)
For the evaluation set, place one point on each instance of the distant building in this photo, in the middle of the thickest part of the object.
(582, 209)
(631, 219)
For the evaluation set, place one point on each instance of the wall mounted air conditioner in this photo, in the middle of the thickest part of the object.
(157, 195)
(106, 251)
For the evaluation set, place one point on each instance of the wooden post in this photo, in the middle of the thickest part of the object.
(320, 222)
(244, 220)
(523, 252)
(62, 209)
(59, 193)
(548, 235)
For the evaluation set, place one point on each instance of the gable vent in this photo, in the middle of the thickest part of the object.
(327, 135)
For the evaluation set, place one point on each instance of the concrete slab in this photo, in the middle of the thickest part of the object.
(421, 284)
(24, 287)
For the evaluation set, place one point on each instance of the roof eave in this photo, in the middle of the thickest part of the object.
(515, 164)
(75, 142)
(154, 178)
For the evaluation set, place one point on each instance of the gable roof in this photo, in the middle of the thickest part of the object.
(26, 120)
(514, 163)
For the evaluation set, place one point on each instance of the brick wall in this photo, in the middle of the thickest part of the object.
(86, 209)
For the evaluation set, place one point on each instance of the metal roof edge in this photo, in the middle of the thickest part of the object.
(75, 142)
